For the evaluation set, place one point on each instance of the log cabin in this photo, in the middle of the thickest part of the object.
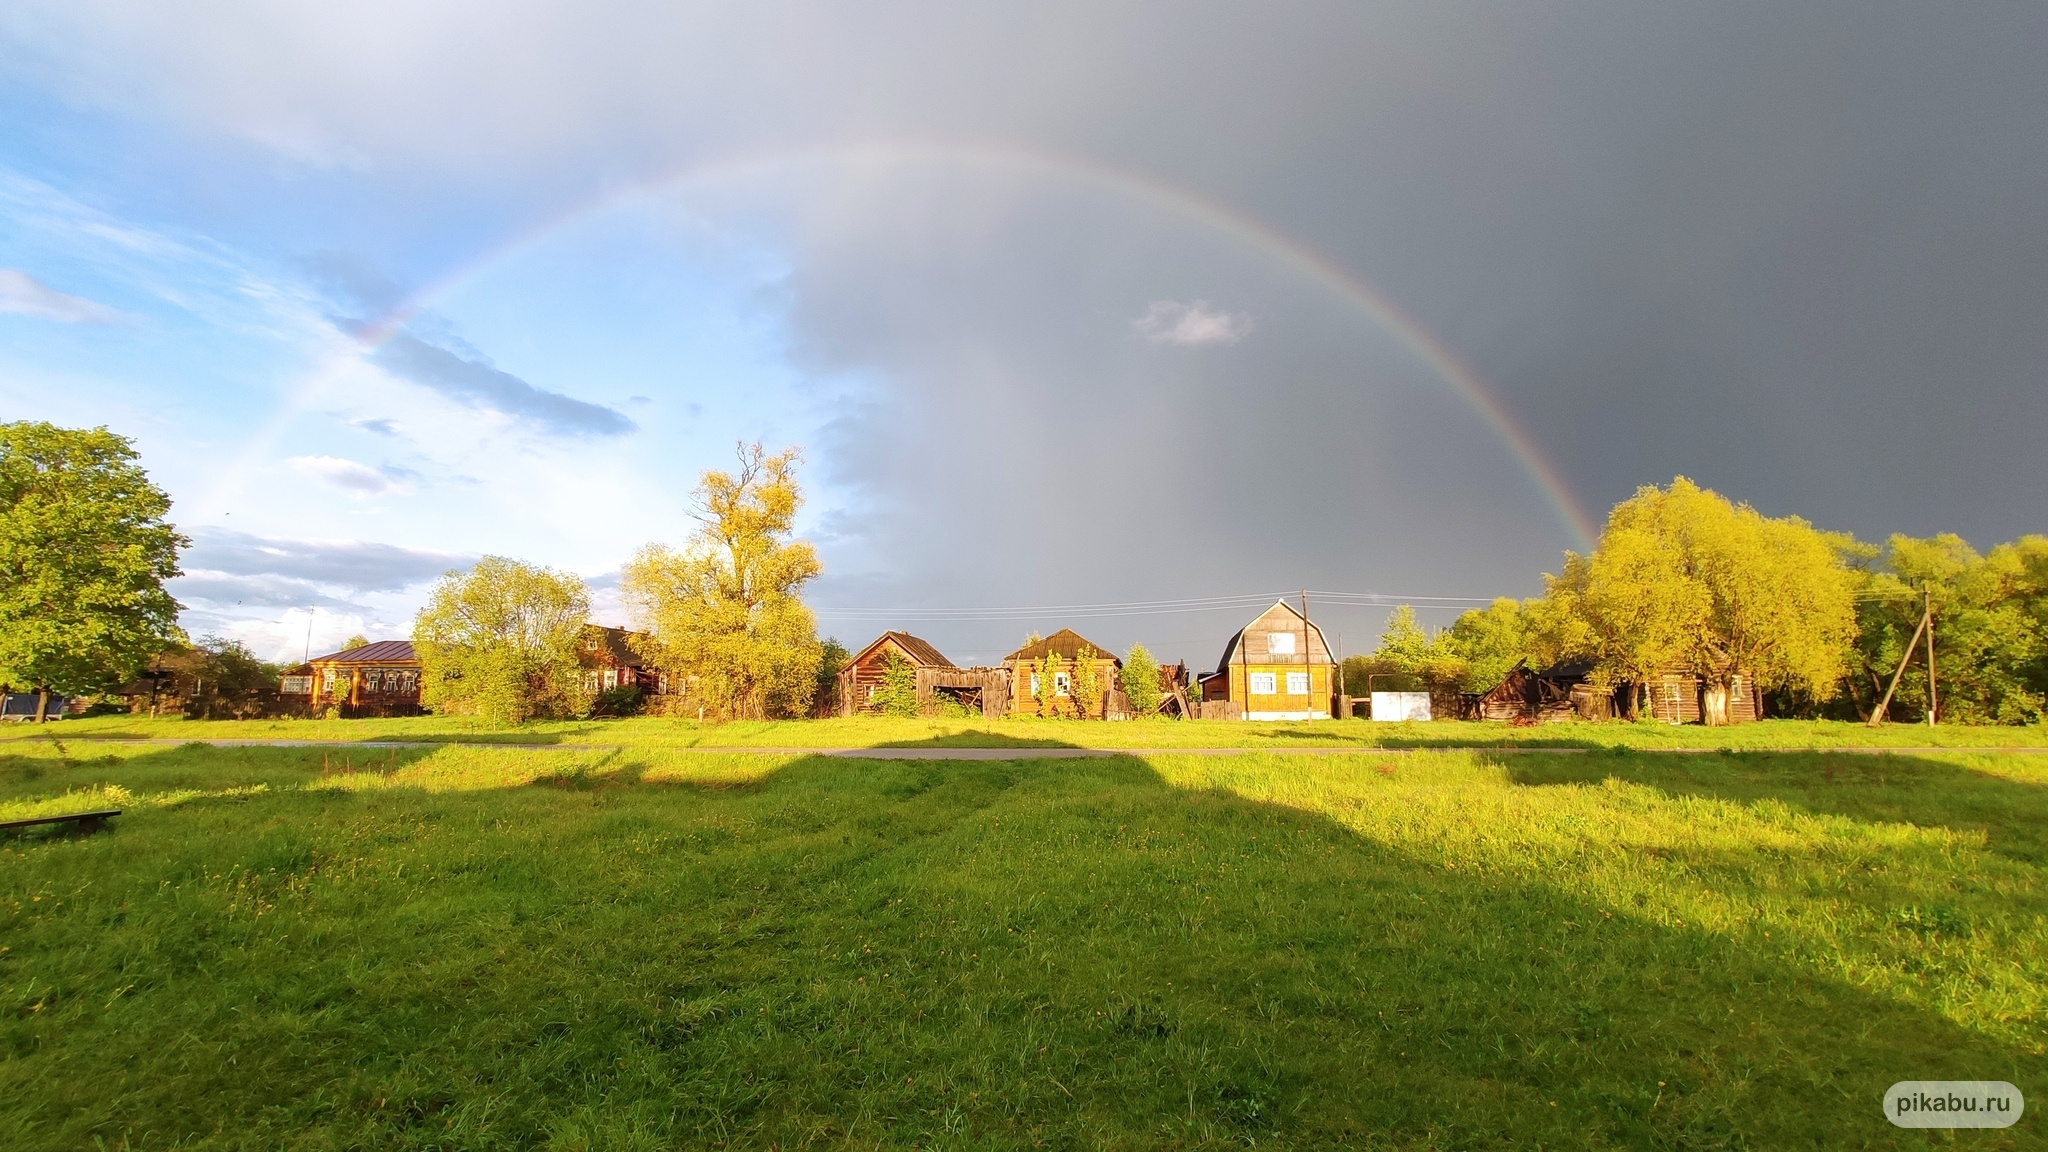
(1278, 667)
(1068, 644)
(611, 661)
(863, 672)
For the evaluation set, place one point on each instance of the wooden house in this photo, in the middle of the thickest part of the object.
(1278, 667)
(862, 676)
(379, 679)
(1022, 666)
(610, 661)
(1677, 696)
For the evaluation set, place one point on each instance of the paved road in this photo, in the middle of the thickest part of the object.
(928, 752)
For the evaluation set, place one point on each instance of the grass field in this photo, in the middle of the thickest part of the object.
(469, 947)
(1149, 734)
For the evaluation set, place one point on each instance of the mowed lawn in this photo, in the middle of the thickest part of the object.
(474, 948)
(1148, 735)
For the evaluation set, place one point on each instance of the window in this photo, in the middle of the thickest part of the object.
(297, 685)
(1062, 684)
(1297, 683)
(1262, 684)
(1034, 683)
(1280, 643)
(611, 678)
(590, 682)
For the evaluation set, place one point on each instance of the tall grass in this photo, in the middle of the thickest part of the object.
(478, 948)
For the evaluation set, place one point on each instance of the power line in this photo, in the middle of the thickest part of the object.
(1135, 607)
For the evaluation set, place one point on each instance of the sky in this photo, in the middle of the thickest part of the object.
(1122, 317)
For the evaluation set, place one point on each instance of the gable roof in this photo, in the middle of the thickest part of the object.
(380, 652)
(1067, 642)
(920, 651)
(1237, 637)
(613, 642)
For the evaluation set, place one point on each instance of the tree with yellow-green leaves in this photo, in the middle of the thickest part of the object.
(722, 613)
(1048, 671)
(1088, 685)
(1682, 578)
(503, 641)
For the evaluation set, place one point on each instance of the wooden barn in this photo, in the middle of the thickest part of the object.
(1525, 696)
(1278, 667)
(1068, 644)
(377, 679)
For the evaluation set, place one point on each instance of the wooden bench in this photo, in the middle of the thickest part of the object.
(86, 821)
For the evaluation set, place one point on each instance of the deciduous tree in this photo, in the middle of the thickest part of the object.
(896, 695)
(1140, 676)
(1087, 684)
(724, 609)
(84, 553)
(504, 641)
(1683, 578)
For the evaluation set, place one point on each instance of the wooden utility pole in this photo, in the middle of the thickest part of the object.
(1927, 626)
(1927, 614)
(1308, 668)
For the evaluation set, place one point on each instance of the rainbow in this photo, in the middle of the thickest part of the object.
(1135, 187)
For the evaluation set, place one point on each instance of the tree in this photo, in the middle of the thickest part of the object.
(1140, 678)
(1990, 622)
(228, 680)
(1683, 578)
(1408, 657)
(503, 641)
(356, 641)
(832, 658)
(896, 695)
(1088, 686)
(725, 608)
(1047, 674)
(84, 553)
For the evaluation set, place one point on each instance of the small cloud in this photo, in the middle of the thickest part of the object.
(379, 426)
(481, 385)
(639, 399)
(23, 293)
(353, 477)
(1169, 322)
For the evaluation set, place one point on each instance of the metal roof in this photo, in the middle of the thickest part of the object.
(379, 652)
(1067, 642)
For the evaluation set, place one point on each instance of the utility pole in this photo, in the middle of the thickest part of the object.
(1307, 669)
(1927, 614)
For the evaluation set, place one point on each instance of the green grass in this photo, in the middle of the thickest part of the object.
(653, 733)
(469, 947)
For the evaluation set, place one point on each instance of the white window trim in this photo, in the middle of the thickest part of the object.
(1262, 684)
(1294, 678)
(1280, 643)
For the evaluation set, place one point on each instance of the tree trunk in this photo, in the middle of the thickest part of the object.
(42, 705)
(1714, 704)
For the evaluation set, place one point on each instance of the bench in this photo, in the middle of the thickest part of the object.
(86, 821)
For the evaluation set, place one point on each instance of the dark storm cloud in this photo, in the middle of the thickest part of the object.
(481, 385)
(361, 565)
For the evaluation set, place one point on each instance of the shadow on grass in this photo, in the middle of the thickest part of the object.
(960, 953)
(1895, 789)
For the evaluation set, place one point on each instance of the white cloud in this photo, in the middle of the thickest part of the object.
(23, 293)
(352, 477)
(1168, 322)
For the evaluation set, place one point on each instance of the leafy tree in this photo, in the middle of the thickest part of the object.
(226, 679)
(1087, 684)
(1409, 658)
(725, 608)
(1990, 624)
(896, 695)
(504, 641)
(832, 658)
(1683, 578)
(356, 641)
(84, 553)
(1140, 678)
(1051, 704)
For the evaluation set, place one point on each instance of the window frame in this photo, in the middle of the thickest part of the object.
(1307, 687)
(1254, 680)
